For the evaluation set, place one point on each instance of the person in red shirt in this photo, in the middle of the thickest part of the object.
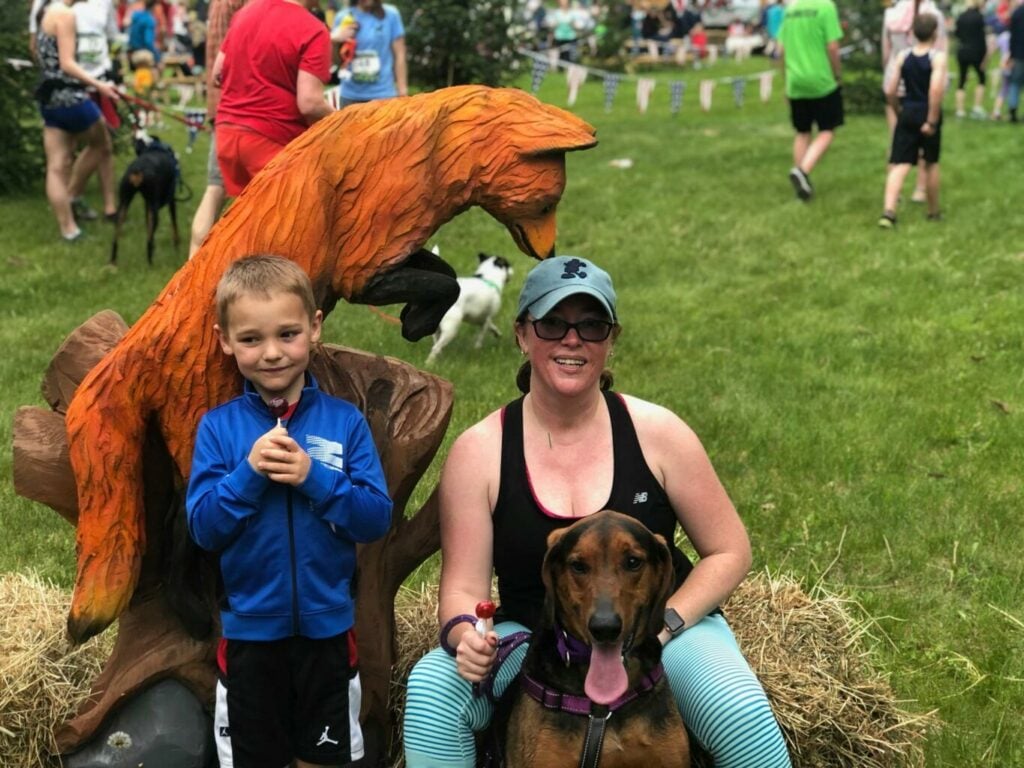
(272, 69)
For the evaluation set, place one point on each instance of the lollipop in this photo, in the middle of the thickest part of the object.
(484, 617)
(278, 407)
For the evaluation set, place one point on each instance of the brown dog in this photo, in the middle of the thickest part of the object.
(592, 688)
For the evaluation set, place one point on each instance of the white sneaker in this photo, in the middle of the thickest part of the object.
(801, 184)
(961, 113)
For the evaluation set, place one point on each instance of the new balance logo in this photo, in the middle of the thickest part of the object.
(640, 498)
(326, 452)
(324, 738)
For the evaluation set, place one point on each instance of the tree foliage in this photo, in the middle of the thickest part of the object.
(862, 66)
(454, 42)
(21, 161)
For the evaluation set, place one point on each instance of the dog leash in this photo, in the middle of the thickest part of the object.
(148, 105)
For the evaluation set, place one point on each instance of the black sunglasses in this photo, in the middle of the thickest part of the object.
(556, 329)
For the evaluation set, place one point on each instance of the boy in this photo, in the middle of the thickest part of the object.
(283, 496)
(918, 131)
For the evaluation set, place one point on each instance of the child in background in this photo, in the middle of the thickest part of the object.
(918, 132)
(1005, 68)
(285, 482)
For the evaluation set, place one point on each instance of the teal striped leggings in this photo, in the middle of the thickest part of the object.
(721, 701)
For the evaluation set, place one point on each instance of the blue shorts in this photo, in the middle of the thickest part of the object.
(73, 119)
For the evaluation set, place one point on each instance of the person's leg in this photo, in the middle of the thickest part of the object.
(206, 216)
(441, 712)
(721, 700)
(1013, 93)
(59, 147)
(98, 156)
(920, 194)
(893, 184)
(815, 151)
(961, 94)
(801, 141)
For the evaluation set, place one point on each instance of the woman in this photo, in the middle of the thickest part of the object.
(379, 68)
(69, 114)
(897, 36)
(565, 450)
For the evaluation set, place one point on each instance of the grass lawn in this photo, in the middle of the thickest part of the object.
(860, 392)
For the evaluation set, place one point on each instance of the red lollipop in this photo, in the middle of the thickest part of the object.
(278, 407)
(484, 613)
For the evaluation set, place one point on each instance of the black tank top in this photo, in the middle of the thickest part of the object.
(521, 525)
(917, 77)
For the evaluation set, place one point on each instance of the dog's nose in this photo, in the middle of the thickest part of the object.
(605, 626)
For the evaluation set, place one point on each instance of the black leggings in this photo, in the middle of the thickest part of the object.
(968, 63)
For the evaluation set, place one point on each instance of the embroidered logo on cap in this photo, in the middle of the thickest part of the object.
(574, 268)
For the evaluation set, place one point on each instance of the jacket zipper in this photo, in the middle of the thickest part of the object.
(294, 567)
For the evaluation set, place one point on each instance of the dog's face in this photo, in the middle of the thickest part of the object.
(497, 269)
(607, 579)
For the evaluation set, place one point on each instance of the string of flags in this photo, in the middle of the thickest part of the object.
(577, 74)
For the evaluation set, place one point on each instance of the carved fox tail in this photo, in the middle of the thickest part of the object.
(105, 439)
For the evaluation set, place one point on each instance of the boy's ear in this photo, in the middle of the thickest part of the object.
(225, 347)
(316, 326)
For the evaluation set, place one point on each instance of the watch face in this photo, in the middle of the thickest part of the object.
(674, 622)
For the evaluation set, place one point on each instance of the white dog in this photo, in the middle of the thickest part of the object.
(478, 303)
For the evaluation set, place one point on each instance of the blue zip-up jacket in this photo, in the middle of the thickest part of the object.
(287, 554)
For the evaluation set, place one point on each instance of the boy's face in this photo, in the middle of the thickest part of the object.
(270, 338)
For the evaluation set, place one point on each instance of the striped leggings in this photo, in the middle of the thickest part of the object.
(720, 699)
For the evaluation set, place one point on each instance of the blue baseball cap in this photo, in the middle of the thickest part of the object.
(559, 277)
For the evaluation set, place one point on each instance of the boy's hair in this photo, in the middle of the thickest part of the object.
(925, 25)
(261, 275)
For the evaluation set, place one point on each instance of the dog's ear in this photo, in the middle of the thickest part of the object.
(665, 579)
(482, 257)
(552, 560)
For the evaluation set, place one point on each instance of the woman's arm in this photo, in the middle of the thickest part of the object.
(64, 26)
(468, 491)
(401, 66)
(707, 516)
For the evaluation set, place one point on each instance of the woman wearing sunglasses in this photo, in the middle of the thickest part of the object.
(566, 449)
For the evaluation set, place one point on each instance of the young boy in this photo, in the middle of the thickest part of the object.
(918, 131)
(283, 498)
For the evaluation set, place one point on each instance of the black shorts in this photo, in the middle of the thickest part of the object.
(827, 112)
(287, 699)
(909, 144)
(968, 63)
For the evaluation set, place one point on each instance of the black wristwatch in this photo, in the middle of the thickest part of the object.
(674, 622)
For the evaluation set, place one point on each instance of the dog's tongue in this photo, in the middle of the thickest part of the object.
(606, 678)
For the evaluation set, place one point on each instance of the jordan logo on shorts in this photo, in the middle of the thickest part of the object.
(324, 738)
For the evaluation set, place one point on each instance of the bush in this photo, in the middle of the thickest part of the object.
(21, 162)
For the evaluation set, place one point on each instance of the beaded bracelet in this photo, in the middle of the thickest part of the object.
(463, 617)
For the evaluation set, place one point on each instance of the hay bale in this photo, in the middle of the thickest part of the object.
(42, 679)
(834, 706)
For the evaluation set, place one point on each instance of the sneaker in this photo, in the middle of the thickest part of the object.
(110, 218)
(887, 220)
(82, 211)
(961, 113)
(979, 114)
(919, 196)
(73, 237)
(801, 183)
(935, 216)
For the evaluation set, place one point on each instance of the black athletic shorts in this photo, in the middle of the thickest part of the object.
(827, 112)
(286, 699)
(909, 144)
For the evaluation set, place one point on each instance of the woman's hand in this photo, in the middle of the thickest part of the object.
(474, 655)
(108, 90)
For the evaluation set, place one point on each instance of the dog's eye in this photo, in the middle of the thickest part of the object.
(577, 566)
(634, 563)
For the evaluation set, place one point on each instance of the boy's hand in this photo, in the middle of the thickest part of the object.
(281, 458)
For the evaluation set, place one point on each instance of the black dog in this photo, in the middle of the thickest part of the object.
(154, 174)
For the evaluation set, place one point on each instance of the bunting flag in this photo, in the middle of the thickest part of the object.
(739, 85)
(712, 54)
(553, 58)
(644, 86)
(575, 76)
(706, 87)
(677, 88)
(766, 85)
(611, 85)
(540, 70)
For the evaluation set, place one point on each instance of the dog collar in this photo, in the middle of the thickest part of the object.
(491, 283)
(582, 705)
(571, 649)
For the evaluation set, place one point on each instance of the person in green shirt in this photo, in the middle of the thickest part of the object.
(809, 39)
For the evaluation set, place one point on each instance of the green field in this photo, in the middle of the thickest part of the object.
(860, 392)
